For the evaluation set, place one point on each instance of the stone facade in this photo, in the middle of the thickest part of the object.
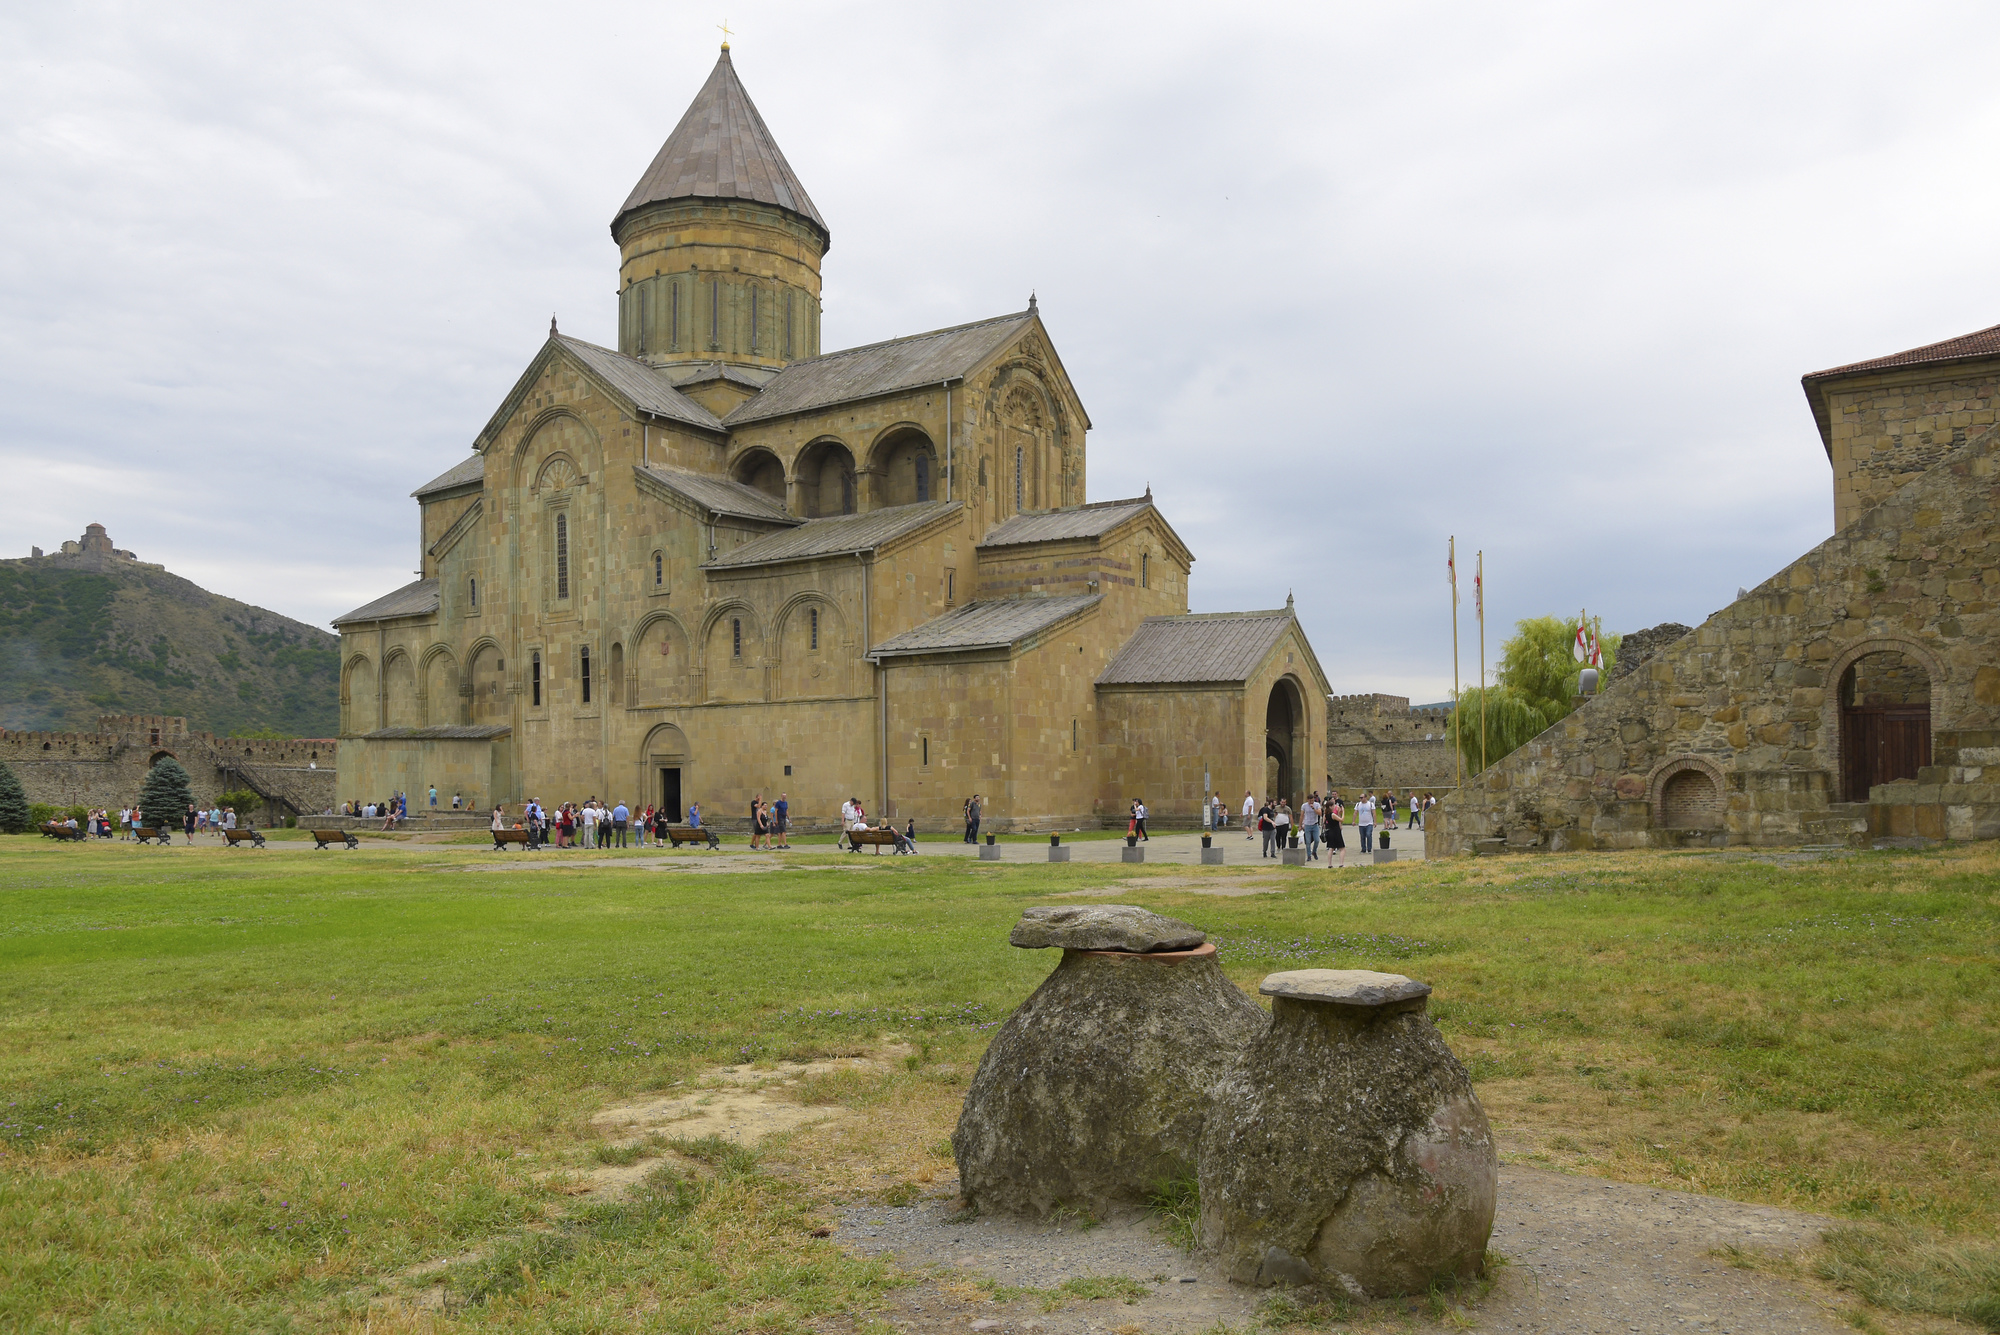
(1746, 731)
(106, 768)
(718, 562)
(1888, 427)
(1379, 742)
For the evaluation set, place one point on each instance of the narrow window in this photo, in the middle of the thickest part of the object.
(714, 309)
(1146, 571)
(1072, 734)
(813, 617)
(676, 304)
(950, 585)
(535, 668)
(659, 571)
(753, 322)
(1018, 480)
(472, 592)
(788, 324)
(736, 637)
(923, 477)
(562, 556)
(927, 751)
(586, 676)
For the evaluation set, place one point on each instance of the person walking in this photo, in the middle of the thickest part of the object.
(974, 809)
(1249, 811)
(1416, 811)
(620, 818)
(189, 821)
(434, 797)
(1336, 813)
(1266, 824)
(760, 822)
(1139, 818)
(1389, 807)
(781, 819)
(1281, 821)
(1364, 821)
(1309, 826)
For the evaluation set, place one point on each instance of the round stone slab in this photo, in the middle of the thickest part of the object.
(1343, 987)
(1122, 927)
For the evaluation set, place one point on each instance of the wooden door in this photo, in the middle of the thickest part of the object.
(1881, 744)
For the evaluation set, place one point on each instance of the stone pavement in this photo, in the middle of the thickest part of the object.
(1170, 847)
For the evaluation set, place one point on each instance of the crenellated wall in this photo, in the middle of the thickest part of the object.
(107, 767)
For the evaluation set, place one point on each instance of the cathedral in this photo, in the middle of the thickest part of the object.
(721, 561)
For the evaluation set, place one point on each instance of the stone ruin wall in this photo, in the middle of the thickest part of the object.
(1731, 736)
(1380, 742)
(107, 768)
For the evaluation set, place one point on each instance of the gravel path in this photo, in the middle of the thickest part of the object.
(1587, 1256)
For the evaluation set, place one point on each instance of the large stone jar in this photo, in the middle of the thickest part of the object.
(1093, 1092)
(1346, 1147)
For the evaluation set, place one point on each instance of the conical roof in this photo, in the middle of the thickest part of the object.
(722, 150)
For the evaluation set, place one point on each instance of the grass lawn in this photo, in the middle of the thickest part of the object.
(269, 1090)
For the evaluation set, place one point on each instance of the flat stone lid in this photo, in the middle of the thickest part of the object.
(1125, 927)
(1344, 987)
(1204, 951)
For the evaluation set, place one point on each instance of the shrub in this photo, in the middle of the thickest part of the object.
(15, 815)
(167, 794)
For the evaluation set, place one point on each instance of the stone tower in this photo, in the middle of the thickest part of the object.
(719, 245)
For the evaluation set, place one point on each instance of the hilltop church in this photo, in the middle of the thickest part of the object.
(720, 561)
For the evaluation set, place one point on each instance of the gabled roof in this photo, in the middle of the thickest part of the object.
(463, 473)
(915, 362)
(836, 536)
(722, 150)
(1078, 521)
(995, 624)
(718, 495)
(416, 599)
(704, 373)
(1976, 346)
(1208, 646)
(647, 388)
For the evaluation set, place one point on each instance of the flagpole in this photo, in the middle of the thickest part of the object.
(1479, 606)
(1457, 756)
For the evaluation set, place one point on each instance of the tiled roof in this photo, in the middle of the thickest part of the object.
(833, 537)
(718, 495)
(1209, 646)
(914, 362)
(1078, 521)
(1966, 347)
(458, 475)
(706, 373)
(721, 150)
(985, 625)
(412, 600)
(646, 385)
(444, 732)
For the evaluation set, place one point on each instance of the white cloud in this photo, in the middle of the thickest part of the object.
(1337, 280)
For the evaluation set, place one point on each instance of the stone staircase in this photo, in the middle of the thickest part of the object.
(1845, 824)
(1957, 796)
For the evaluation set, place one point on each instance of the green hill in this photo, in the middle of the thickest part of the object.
(90, 634)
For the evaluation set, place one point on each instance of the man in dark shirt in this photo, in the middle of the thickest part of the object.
(781, 820)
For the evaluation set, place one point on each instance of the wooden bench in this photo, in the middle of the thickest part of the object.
(153, 834)
(692, 834)
(326, 838)
(57, 830)
(502, 838)
(856, 838)
(235, 837)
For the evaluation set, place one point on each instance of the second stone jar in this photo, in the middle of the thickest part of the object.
(1345, 1146)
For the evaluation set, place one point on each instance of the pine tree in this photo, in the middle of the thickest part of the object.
(14, 817)
(167, 795)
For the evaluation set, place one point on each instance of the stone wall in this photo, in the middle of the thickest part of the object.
(1886, 429)
(1732, 736)
(107, 768)
(1380, 742)
(1640, 645)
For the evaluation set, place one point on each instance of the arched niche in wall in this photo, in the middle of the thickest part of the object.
(825, 476)
(733, 654)
(760, 469)
(905, 466)
(659, 665)
(811, 660)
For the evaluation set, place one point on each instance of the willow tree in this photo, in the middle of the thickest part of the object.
(1536, 690)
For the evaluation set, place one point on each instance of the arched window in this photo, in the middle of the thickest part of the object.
(472, 592)
(562, 556)
(1146, 570)
(812, 617)
(535, 673)
(923, 477)
(659, 570)
(736, 637)
(1020, 459)
(586, 675)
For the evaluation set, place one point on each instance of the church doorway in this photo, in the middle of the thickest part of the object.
(1284, 728)
(1885, 722)
(670, 792)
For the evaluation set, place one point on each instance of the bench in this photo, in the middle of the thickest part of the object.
(856, 838)
(325, 838)
(502, 838)
(235, 837)
(153, 834)
(56, 830)
(692, 834)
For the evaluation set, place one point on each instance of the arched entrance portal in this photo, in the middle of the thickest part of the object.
(663, 767)
(1885, 721)
(1284, 741)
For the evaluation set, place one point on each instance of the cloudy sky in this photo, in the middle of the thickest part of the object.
(1337, 280)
